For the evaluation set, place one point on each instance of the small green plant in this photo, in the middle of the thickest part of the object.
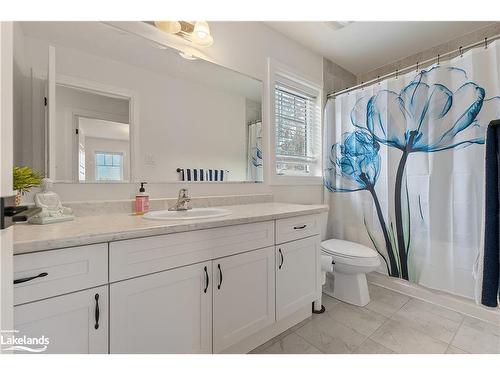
(25, 178)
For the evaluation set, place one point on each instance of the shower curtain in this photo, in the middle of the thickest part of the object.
(404, 162)
(254, 169)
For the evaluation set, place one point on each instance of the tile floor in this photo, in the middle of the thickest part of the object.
(390, 323)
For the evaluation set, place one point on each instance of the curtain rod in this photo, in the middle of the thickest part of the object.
(438, 58)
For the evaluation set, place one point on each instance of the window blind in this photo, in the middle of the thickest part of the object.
(297, 124)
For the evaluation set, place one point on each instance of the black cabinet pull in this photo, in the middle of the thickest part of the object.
(282, 258)
(19, 281)
(220, 276)
(207, 280)
(96, 326)
(300, 226)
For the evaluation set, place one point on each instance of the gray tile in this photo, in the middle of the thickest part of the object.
(361, 320)
(385, 301)
(291, 344)
(478, 337)
(401, 338)
(433, 320)
(330, 336)
(453, 350)
(372, 347)
(279, 337)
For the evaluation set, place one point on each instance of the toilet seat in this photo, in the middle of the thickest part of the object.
(351, 253)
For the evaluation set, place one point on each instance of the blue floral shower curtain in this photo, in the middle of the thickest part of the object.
(404, 161)
(254, 157)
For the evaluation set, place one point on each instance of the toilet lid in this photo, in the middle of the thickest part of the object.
(347, 249)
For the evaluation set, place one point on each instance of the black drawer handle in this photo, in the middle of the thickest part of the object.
(220, 276)
(282, 259)
(20, 281)
(207, 280)
(96, 326)
(300, 226)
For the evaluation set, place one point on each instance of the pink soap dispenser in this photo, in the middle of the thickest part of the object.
(142, 201)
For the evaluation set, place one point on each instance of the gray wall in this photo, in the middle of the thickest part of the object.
(336, 78)
(475, 36)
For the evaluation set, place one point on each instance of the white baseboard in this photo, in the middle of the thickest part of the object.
(449, 301)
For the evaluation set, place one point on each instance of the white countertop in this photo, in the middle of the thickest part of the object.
(104, 228)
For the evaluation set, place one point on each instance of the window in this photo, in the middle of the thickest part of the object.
(108, 166)
(297, 128)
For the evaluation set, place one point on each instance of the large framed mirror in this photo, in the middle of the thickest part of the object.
(120, 108)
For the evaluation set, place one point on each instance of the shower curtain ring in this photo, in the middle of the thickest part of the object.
(397, 71)
(416, 70)
(485, 43)
(438, 59)
(378, 80)
(461, 53)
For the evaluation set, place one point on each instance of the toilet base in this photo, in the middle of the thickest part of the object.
(351, 288)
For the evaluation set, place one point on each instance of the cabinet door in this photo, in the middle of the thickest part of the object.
(297, 275)
(166, 312)
(73, 323)
(243, 296)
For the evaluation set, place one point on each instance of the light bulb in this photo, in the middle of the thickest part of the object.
(201, 34)
(171, 27)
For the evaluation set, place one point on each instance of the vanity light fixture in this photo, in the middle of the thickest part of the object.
(196, 32)
(171, 27)
(201, 34)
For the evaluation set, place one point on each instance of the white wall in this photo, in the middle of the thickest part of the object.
(241, 46)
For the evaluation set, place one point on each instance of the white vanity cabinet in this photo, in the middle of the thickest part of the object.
(165, 312)
(219, 290)
(244, 296)
(75, 323)
(297, 269)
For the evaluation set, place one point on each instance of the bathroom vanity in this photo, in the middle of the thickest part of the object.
(122, 284)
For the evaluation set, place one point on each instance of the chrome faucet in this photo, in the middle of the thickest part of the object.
(182, 203)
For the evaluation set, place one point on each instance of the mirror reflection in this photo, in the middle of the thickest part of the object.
(93, 137)
(123, 109)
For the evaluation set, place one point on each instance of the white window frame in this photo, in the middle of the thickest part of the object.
(281, 73)
(97, 166)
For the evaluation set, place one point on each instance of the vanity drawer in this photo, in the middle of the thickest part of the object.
(298, 227)
(59, 271)
(131, 258)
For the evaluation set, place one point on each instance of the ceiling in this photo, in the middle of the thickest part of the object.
(363, 46)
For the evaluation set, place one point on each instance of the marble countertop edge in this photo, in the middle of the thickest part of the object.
(115, 227)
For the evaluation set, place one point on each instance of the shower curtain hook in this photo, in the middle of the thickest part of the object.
(397, 70)
(486, 43)
(378, 80)
(461, 53)
(416, 70)
(438, 59)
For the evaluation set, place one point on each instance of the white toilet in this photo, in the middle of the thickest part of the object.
(351, 263)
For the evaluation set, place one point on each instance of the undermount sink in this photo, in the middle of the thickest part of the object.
(195, 213)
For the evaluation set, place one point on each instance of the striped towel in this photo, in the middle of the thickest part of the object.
(200, 174)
